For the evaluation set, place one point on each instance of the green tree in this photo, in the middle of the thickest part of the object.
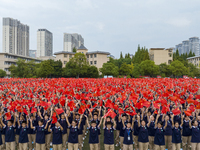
(193, 71)
(46, 69)
(141, 54)
(2, 73)
(77, 65)
(121, 55)
(164, 70)
(20, 70)
(74, 50)
(148, 68)
(109, 69)
(57, 65)
(178, 69)
(92, 72)
(126, 69)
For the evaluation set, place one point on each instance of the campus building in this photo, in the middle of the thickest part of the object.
(95, 58)
(15, 37)
(161, 55)
(32, 53)
(44, 43)
(7, 59)
(72, 41)
(194, 60)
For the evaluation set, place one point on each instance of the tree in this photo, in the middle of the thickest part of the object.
(92, 72)
(126, 69)
(164, 70)
(193, 71)
(2, 73)
(74, 50)
(57, 65)
(148, 68)
(77, 65)
(121, 55)
(141, 54)
(20, 70)
(178, 69)
(109, 69)
(46, 69)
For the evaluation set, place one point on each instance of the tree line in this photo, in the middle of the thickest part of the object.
(128, 65)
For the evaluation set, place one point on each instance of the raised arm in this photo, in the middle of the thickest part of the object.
(67, 121)
(172, 118)
(100, 122)
(182, 116)
(138, 117)
(49, 128)
(47, 124)
(61, 128)
(156, 122)
(87, 121)
(80, 121)
(31, 124)
(133, 120)
(114, 125)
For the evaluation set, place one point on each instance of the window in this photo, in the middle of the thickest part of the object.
(91, 56)
(170, 54)
(91, 63)
(70, 56)
(65, 62)
(95, 55)
(87, 56)
(65, 55)
(95, 62)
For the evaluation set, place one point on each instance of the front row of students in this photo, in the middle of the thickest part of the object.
(94, 129)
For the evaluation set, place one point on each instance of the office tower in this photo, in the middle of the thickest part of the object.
(185, 47)
(179, 48)
(44, 43)
(194, 45)
(15, 37)
(72, 41)
(32, 53)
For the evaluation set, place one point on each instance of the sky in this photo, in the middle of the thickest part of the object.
(108, 25)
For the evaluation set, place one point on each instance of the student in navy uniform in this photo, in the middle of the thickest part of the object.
(57, 136)
(136, 133)
(10, 133)
(117, 130)
(151, 131)
(121, 133)
(159, 140)
(168, 133)
(40, 134)
(186, 134)
(73, 134)
(3, 133)
(176, 134)
(23, 135)
(195, 140)
(63, 123)
(31, 132)
(94, 134)
(109, 134)
(128, 136)
(143, 139)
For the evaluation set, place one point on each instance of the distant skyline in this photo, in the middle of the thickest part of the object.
(108, 25)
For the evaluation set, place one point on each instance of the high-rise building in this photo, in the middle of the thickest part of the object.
(15, 37)
(194, 45)
(44, 43)
(32, 53)
(72, 41)
(189, 45)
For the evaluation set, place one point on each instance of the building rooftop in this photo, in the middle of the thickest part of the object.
(82, 47)
(156, 48)
(63, 52)
(193, 57)
(98, 52)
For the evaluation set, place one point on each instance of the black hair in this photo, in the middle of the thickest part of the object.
(176, 122)
(93, 121)
(123, 115)
(161, 123)
(24, 122)
(75, 121)
(109, 123)
(11, 121)
(193, 122)
(41, 120)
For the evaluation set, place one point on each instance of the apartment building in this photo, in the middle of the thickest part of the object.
(44, 43)
(15, 37)
(194, 60)
(161, 55)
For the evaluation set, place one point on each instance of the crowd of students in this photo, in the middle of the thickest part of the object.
(154, 124)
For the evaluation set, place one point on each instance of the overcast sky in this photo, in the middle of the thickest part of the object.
(108, 25)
